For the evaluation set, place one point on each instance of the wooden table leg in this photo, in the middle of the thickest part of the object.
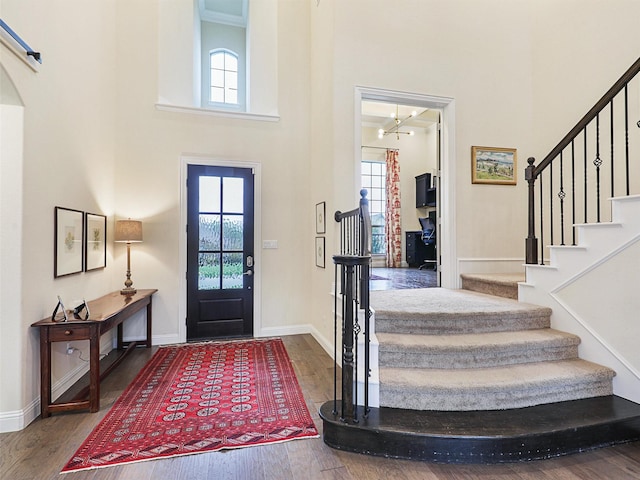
(149, 321)
(45, 374)
(94, 370)
(119, 337)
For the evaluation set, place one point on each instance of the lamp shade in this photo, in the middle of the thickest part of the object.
(129, 231)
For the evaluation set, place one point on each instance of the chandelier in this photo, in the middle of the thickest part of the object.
(395, 129)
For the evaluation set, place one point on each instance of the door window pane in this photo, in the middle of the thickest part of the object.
(209, 237)
(233, 232)
(209, 194)
(232, 268)
(209, 271)
(233, 195)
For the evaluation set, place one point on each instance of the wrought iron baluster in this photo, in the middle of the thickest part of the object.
(335, 337)
(573, 194)
(597, 162)
(541, 222)
(551, 205)
(626, 135)
(586, 197)
(356, 333)
(561, 196)
(612, 144)
(367, 340)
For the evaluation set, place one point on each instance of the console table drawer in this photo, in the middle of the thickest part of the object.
(68, 333)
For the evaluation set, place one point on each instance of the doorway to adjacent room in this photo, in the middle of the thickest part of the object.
(410, 129)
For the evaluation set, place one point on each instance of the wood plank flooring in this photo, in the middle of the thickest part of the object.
(41, 449)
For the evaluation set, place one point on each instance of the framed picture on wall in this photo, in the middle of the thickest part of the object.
(320, 217)
(95, 241)
(493, 165)
(320, 252)
(67, 241)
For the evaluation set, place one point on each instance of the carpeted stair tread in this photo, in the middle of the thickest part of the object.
(493, 388)
(443, 311)
(475, 350)
(498, 284)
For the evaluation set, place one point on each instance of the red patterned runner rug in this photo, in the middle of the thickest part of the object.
(197, 398)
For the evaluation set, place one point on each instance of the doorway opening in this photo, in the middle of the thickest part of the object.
(412, 216)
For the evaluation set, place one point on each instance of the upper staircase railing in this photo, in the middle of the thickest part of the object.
(351, 280)
(599, 147)
(29, 51)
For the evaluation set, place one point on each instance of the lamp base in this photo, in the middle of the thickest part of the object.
(128, 291)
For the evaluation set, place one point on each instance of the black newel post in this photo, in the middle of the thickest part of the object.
(348, 263)
(531, 242)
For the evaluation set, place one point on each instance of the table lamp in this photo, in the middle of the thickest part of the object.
(128, 231)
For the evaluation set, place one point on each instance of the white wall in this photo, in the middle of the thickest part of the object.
(68, 161)
(11, 142)
(477, 53)
(582, 48)
(151, 144)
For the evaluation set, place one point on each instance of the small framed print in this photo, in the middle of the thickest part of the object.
(320, 252)
(320, 217)
(68, 242)
(492, 165)
(95, 241)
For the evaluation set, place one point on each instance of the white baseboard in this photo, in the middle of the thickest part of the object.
(490, 265)
(15, 420)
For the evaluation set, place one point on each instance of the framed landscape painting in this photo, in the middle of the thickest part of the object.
(95, 245)
(493, 165)
(67, 242)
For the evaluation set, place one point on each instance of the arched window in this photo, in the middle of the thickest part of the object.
(223, 77)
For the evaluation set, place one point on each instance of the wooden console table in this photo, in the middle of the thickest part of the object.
(106, 312)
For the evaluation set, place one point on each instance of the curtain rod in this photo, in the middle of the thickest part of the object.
(382, 148)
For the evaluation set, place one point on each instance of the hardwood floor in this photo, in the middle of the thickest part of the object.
(402, 278)
(40, 450)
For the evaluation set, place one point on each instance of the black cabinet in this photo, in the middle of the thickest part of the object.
(418, 254)
(415, 249)
(425, 195)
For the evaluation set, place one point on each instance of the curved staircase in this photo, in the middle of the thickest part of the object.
(471, 351)
(466, 377)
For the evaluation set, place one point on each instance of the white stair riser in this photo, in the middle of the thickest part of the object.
(625, 210)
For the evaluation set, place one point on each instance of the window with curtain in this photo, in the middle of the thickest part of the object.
(374, 176)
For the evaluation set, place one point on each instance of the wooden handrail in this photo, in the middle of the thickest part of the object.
(30, 52)
(534, 173)
(591, 114)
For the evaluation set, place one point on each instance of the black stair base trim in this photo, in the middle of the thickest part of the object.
(483, 437)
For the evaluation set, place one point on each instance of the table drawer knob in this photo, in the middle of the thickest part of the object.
(68, 332)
